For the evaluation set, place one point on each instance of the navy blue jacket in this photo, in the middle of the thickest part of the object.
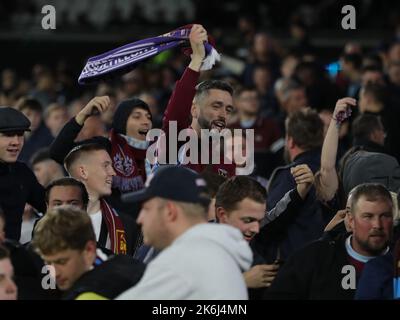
(305, 221)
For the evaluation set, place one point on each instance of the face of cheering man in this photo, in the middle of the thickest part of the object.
(94, 169)
(246, 216)
(11, 144)
(98, 173)
(138, 124)
(213, 109)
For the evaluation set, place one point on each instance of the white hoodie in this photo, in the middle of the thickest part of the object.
(205, 262)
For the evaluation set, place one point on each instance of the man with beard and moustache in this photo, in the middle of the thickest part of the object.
(208, 105)
(330, 269)
(18, 184)
(304, 136)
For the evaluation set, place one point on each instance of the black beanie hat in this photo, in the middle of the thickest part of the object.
(124, 109)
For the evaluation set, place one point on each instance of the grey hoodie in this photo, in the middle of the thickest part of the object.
(205, 262)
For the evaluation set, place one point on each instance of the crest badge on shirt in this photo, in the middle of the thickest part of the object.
(123, 165)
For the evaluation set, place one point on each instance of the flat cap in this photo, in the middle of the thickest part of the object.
(13, 120)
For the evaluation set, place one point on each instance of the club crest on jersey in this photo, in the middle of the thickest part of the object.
(123, 165)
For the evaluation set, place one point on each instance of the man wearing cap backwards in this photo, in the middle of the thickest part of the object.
(198, 260)
(18, 184)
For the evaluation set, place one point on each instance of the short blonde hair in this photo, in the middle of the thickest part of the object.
(62, 228)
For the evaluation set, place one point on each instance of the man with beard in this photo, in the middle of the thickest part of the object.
(208, 105)
(330, 269)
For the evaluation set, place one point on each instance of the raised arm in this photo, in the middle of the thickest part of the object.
(329, 182)
(287, 207)
(64, 142)
(180, 102)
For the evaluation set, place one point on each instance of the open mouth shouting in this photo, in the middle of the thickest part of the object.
(218, 124)
(143, 132)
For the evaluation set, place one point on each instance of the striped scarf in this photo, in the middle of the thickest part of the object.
(115, 228)
(129, 56)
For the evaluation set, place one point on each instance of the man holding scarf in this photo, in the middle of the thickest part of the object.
(208, 104)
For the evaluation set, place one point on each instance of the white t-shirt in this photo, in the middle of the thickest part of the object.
(97, 218)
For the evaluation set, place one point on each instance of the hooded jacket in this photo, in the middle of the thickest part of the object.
(205, 262)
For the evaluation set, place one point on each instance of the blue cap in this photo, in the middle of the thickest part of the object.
(172, 183)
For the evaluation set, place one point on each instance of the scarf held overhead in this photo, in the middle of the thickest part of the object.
(128, 57)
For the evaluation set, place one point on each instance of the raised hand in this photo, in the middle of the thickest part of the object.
(96, 105)
(197, 37)
(343, 109)
(304, 178)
